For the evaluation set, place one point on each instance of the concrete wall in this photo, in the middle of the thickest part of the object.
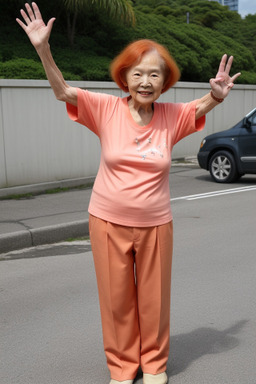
(38, 142)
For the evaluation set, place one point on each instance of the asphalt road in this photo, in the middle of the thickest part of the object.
(50, 322)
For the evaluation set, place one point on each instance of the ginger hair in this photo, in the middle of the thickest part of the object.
(133, 53)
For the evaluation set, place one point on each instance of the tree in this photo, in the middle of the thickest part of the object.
(116, 9)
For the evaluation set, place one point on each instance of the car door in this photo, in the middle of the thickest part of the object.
(247, 145)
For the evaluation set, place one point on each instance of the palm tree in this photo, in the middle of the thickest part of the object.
(116, 9)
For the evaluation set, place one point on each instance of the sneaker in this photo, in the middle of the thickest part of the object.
(160, 378)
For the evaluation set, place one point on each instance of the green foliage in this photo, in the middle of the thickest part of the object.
(84, 67)
(116, 9)
(21, 69)
(27, 69)
(197, 47)
(248, 77)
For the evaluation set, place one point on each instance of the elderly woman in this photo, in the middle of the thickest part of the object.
(130, 220)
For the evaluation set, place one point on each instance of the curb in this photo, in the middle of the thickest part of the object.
(44, 235)
(41, 188)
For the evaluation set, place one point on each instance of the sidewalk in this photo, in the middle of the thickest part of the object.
(43, 219)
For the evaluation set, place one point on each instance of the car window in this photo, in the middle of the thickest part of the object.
(252, 119)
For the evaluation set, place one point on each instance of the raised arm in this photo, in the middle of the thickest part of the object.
(39, 34)
(220, 88)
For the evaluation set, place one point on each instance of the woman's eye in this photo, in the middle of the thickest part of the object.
(154, 75)
(136, 74)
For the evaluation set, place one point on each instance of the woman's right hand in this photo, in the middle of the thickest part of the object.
(34, 26)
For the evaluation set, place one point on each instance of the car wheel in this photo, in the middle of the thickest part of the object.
(223, 167)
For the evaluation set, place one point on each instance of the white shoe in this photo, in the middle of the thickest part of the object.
(121, 382)
(160, 378)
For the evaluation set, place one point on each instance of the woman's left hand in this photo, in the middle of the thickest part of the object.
(222, 83)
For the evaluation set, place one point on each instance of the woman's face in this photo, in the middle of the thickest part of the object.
(145, 80)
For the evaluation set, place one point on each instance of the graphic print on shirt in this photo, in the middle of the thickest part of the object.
(153, 151)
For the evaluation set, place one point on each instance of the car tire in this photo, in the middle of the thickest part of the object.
(222, 167)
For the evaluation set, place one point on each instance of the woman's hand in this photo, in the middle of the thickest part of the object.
(39, 35)
(222, 83)
(35, 28)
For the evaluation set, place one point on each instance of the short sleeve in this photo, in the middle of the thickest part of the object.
(186, 121)
(92, 109)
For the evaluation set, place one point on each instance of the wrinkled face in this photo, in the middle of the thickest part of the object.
(145, 80)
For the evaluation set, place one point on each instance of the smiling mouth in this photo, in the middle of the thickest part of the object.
(144, 93)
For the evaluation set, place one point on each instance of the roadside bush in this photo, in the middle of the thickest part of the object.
(83, 66)
(247, 77)
(21, 69)
(27, 69)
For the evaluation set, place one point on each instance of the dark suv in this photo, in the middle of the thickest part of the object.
(230, 154)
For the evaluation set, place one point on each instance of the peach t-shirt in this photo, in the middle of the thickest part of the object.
(132, 184)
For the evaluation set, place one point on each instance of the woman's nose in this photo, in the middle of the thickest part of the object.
(145, 81)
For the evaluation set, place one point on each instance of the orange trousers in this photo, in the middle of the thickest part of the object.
(133, 270)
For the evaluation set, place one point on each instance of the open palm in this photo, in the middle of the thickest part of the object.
(34, 26)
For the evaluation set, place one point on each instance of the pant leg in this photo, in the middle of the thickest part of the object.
(114, 264)
(153, 275)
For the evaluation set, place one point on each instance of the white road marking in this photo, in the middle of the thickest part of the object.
(216, 193)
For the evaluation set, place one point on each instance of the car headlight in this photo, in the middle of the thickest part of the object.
(202, 143)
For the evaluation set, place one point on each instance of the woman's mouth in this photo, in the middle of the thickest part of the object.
(144, 93)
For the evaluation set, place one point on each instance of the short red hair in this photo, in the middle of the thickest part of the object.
(133, 53)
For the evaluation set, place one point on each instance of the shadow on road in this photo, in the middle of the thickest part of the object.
(247, 179)
(186, 348)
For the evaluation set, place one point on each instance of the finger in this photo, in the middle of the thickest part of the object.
(220, 78)
(30, 12)
(213, 83)
(23, 26)
(25, 16)
(36, 11)
(215, 80)
(50, 23)
(229, 65)
(223, 63)
(233, 78)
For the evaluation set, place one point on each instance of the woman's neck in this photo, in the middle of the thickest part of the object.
(141, 114)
